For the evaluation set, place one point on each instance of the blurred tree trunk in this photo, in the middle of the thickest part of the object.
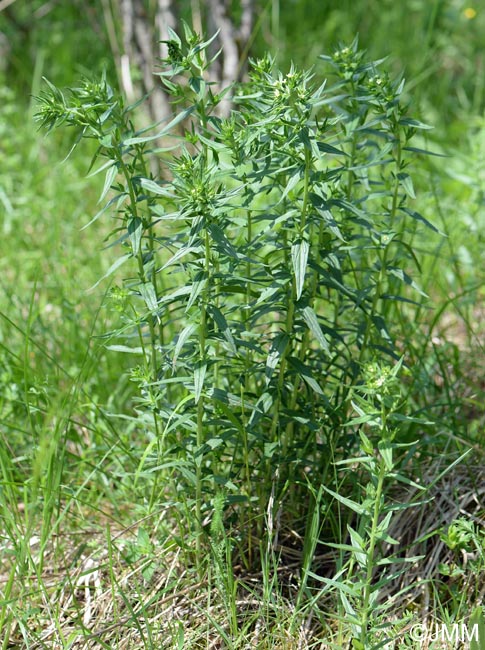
(144, 23)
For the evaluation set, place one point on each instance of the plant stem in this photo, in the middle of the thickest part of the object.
(200, 406)
(370, 554)
(288, 440)
(384, 259)
(153, 362)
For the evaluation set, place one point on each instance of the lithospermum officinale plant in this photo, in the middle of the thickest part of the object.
(268, 263)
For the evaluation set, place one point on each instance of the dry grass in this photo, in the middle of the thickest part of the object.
(88, 596)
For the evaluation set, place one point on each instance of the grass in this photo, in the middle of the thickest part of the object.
(112, 542)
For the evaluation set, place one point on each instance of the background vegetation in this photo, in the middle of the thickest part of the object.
(91, 554)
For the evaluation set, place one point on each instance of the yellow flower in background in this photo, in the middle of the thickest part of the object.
(469, 13)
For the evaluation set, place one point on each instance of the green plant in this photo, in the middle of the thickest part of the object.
(365, 569)
(271, 259)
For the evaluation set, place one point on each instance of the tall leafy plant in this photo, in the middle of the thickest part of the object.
(269, 256)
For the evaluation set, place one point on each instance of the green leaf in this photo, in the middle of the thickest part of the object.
(385, 537)
(407, 183)
(290, 185)
(119, 197)
(185, 250)
(143, 541)
(109, 178)
(415, 124)
(419, 217)
(135, 231)
(327, 148)
(353, 505)
(366, 444)
(108, 163)
(344, 547)
(196, 288)
(382, 528)
(213, 144)
(277, 350)
(155, 188)
(173, 36)
(407, 279)
(335, 582)
(328, 217)
(231, 417)
(182, 339)
(359, 544)
(176, 120)
(312, 322)
(426, 152)
(347, 606)
(223, 327)
(175, 295)
(149, 295)
(299, 256)
(306, 374)
(199, 376)
(116, 265)
(224, 245)
(125, 348)
(385, 447)
(407, 481)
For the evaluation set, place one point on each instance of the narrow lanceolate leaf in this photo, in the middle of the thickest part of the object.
(166, 129)
(299, 256)
(381, 531)
(179, 254)
(278, 348)
(120, 198)
(149, 295)
(426, 152)
(116, 265)
(135, 230)
(196, 288)
(125, 348)
(222, 243)
(199, 376)
(182, 339)
(312, 322)
(306, 374)
(419, 217)
(110, 176)
(407, 183)
(359, 544)
(155, 188)
(404, 277)
(327, 148)
(415, 124)
(386, 448)
(348, 607)
(221, 323)
(353, 505)
(108, 163)
(292, 183)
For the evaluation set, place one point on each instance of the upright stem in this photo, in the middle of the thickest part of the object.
(141, 268)
(373, 533)
(301, 233)
(201, 406)
(245, 390)
(153, 362)
(151, 248)
(370, 554)
(384, 259)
